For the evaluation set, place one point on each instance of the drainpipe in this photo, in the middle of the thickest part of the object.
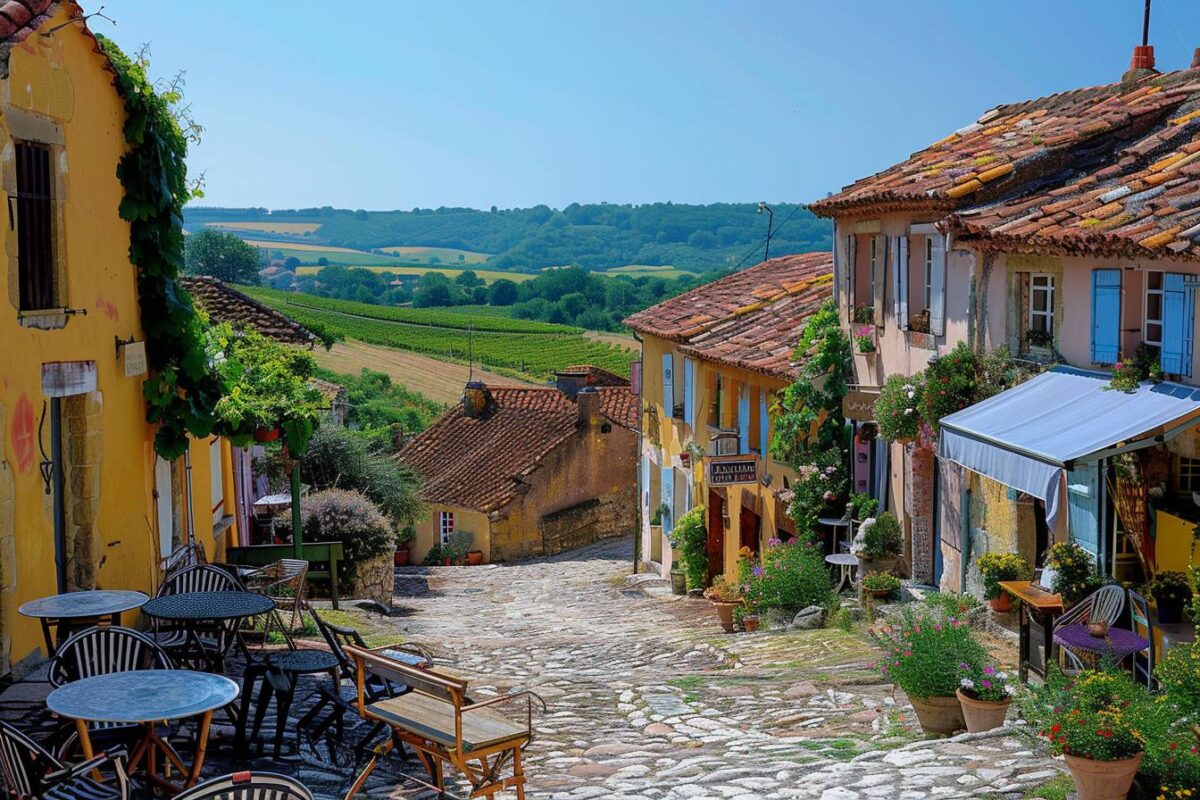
(965, 542)
(637, 536)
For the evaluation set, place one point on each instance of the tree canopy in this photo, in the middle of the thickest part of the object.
(223, 256)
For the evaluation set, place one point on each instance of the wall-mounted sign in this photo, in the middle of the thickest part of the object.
(731, 471)
(859, 404)
(635, 378)
(135, 359)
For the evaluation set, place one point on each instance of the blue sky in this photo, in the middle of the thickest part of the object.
(402, 104)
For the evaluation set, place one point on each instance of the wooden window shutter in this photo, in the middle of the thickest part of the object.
(743, 419)
(937, 290)
(668, 384)
(1179, 322)
(35, 226)
(1106, 316)
(879, 279)
(764, 424)
(851, 274)
(689, 391)
(902, 282)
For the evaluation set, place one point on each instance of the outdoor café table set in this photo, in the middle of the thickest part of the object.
(151, 697)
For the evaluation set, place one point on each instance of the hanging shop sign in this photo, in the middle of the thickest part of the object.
(732, 471)
(859, 404)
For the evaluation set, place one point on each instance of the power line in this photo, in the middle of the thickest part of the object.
(772, 234)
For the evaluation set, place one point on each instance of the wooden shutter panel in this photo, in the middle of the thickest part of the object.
(937, 291)
(668, 384)
(901, 282)
(764, 423)
(839, 266)
(1106, 316)
(1083, 493)
(1178, 325)
(667, 498)
(35, 226)
(689, 391)
(743, 419)
(851, 274)
(879, 279)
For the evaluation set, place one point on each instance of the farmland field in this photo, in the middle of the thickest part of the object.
(648, 271)
(522, 348)
(289, 228)
(444, 254)
(488, 275)
(481, 311)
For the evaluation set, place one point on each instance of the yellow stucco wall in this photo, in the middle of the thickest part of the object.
(60, 80)
(1173, 543)
(668, 438)
(464, 520)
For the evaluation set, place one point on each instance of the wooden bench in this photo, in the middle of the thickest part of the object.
(442, 726)
(260, 555)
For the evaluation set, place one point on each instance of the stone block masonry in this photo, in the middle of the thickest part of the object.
(589, 522)
(919, 500)
(83, 451)
(8, 552)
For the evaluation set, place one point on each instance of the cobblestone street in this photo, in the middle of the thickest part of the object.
(649, 700)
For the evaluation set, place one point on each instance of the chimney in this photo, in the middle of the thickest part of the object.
(1195, 59)
(1142, 63)
(587, 402)
(569, 383)
(476, 399)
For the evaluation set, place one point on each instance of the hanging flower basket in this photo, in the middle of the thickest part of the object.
(267, 434)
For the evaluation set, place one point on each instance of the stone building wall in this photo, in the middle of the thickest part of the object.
(589, 522)
(8, 552)
(83, 448)
(919, 509)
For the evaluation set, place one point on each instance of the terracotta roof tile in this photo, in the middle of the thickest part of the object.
(225, 304)
(482, 463)
(19, 18)
(751, 319)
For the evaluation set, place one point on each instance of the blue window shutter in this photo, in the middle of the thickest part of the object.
(668, 499)
(1083, 499)
(937, 288)
(764, 423)
(1178, 322)
(668, 384)
(1106, 316)
(743, 419)
(689, 391)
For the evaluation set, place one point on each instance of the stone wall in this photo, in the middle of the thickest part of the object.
(374, 579)
(83, 447)
(919, 509)
(589, 522)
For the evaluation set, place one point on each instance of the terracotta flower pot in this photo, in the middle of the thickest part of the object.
(446, 562)
(1170, 611)
(750, 623)
(982, 715)
(939, 714)
(880, 594)
(881, 565)
(474, 557)
(264, 435)
(1001, 604)
(400, 557)
(1103, 780)
(725, 613)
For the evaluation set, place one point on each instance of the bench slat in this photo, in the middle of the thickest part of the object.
(434, 719)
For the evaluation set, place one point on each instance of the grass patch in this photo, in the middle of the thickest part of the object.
(688, 682)
(1057, 788)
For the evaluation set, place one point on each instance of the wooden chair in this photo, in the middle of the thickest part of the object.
(248, 786)
(442, 726)
(29, 772)
(1140, 623)
(284, 582)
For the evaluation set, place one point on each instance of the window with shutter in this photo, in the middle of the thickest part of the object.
(1178, 324)
(901, 282)
(35, 226)
(743, 419)
(937, 287)
(1106, 316)
(879, 257)
(668, 499)
(668, 384)
(764, 424)
(689, 391)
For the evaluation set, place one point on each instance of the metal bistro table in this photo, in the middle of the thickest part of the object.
(846, 564)
(73, 611)
(190, 609)
(1035, 601)
(280, 674)
(147, 697)
(1118, 644)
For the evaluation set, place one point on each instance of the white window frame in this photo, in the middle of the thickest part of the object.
(445, 526)
(1049, 289)
(927, 281)
(1146, 320)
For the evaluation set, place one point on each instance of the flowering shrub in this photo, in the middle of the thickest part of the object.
(723, 590)
(690, 537)
(792, 576)
(924, 653)
(864, 339)
(1128, 373)
(1171, 587)
(996, 567)
(988, 684)
(819, 485)
(1094, 716)
(1074, 577)
(336, 515)
(897, 408)
(878, 538)
(949, 384)
(1179, 674)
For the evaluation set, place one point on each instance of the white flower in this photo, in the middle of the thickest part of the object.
(908, 411)
(1002, 676)
(967, 683)
(911, 395)
(1010, 689)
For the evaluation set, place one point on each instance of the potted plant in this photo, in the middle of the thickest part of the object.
(880, 585)
(1093, 723)
(690, 538)
(878, 543)
(923, 656)
(985, 696)
(897, 409)
(435, 556)
(750, 620)
(862, 506)
(864, 339)
(995, 567)
(457, 547)
(864, 315)
(726, 596)
(1171, 593)
(1040, 339)
(1074, 576)
(404, 540)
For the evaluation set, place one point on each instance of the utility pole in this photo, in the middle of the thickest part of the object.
(770, 224)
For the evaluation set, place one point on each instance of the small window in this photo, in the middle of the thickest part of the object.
(928, 278)
(1188, 475)
(1041, 304)
(35, 226)
(1153, 326)
(445, 526)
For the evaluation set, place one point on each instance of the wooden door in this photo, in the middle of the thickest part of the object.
(716, 535)
(748, 530)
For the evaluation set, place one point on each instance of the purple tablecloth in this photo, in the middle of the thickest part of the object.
(1119, 643)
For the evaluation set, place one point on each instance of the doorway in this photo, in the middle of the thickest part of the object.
(748, 530)
(57, 489)
(164, 506)
(716, 534)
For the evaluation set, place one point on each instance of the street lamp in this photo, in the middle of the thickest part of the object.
(770, 224)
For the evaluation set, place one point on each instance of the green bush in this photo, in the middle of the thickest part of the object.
(925, 653)
(950, 605)
(690, 537)
(336, 515)
(792, 576)
(897, 409)
(864, 505)
(879, 538)
(949, 384)
(1075, 577)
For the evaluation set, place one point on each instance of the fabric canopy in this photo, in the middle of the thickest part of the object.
(1028, 436)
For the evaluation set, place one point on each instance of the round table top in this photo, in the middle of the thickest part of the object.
(1118, 643)
(208, 605)
(145, 695)
(843, 559)
(81, 605)
(833, 522)
(303, 661)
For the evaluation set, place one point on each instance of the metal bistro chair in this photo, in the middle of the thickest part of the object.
(186, 555)
(102, 651)
(1103, 605)
(29, 772)
(338, 637)
(196, 578)
(284, 582)
(1140, 623)
(248, 786)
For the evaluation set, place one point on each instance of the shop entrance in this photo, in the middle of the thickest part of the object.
(716, 534)
(748, 530)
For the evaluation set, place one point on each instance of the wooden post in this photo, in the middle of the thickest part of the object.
(297, 533)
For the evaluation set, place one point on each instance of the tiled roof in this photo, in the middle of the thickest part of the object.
(751, 319)
(1023, 149)
(483, 463)
(226, 304)
(19, 18)
(595, 376)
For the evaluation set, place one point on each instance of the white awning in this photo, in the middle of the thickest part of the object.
(1028, 436)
